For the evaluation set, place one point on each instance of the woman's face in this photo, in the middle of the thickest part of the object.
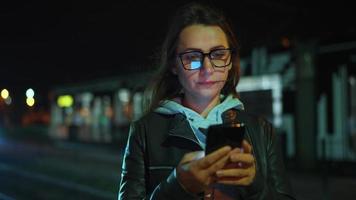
(206, 82)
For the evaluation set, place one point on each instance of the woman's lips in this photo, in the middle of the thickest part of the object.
(207, 83)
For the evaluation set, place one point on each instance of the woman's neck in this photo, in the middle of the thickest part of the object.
(201, 106)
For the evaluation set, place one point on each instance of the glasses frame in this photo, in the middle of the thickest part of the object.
(180, 55)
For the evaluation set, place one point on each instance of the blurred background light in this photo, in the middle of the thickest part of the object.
(30, 101)
(124, 95)
(30, 93)
(4, 93)
(352, 80)
(65, 101)
(8, 100)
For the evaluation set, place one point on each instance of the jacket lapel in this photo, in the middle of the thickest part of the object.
(181, 135)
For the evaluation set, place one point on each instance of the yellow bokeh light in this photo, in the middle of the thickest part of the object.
(4, 93)
(65, 101)
(30, 101)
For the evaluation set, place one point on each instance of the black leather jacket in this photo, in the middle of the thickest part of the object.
(157, 142)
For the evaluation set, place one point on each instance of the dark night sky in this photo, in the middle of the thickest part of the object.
(45, 43)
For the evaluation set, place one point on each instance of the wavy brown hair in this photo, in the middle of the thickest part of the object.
(165, 85)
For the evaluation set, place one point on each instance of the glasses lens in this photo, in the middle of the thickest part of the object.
(192, 60)
(195, 65)
(220, 57)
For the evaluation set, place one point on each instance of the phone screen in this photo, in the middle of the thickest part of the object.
(221, 135)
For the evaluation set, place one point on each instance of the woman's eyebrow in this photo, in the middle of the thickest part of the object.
(218, 47)
(197, 49)
(192, 49)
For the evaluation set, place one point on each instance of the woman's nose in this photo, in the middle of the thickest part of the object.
(207, 66)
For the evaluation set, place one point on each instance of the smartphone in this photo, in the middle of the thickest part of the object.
(224, 134)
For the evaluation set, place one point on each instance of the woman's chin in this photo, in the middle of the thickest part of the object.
(207, 94)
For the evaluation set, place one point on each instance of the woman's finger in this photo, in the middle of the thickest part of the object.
(244, 181)
(217, 165)
(188, 157)
(247, 148)
(237, 172)
(242, 157)
(213, 157)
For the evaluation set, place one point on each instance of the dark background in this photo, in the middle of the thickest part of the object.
(56, 44)
(49, 43)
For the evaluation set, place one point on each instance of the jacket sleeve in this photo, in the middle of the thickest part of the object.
(134, 175)
(132, 184)
(276, 184)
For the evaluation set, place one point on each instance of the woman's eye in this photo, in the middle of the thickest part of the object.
(219, 54)
(193, 56)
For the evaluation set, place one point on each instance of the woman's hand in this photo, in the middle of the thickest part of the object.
(196, 172)
(241, 169)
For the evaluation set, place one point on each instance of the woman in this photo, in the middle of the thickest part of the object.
(195, 88)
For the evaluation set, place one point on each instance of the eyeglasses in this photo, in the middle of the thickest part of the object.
(193, 60)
